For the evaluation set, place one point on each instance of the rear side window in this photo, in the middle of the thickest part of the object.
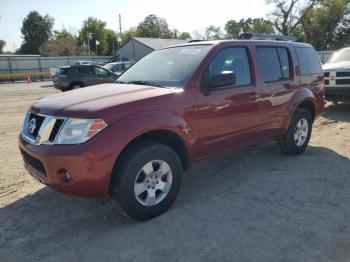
(232, 59)
(274, 63)
(84, 70)
(309, 62)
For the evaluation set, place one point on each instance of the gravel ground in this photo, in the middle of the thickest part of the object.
(255, 205)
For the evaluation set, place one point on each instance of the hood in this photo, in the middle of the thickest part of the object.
(344, 65)
(94, 101)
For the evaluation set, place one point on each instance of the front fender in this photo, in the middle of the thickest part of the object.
(133, 126)
(300, 96)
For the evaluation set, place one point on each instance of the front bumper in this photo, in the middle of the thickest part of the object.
(337, 93)
(90, 165)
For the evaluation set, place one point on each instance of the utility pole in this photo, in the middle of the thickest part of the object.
(88, 40)
(120, 25)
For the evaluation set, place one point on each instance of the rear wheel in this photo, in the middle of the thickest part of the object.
(147, 181)
(298, 134)
(76, 86)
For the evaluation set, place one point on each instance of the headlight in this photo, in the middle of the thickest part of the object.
(77, 131)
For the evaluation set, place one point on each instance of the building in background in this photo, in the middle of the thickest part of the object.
(135, 48)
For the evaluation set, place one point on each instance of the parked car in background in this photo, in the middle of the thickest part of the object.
(118, 67)
(78, 76)
(84, 63)
(337, 76)
(133, 139)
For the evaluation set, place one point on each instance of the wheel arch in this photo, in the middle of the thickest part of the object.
(303, 98)
(163, 136)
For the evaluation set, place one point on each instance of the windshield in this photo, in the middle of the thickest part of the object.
(340, 56)
(167, 67)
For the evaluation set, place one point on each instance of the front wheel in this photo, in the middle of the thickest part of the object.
(298, 134)
(147, 181)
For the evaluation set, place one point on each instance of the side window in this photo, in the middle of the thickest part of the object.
(232, 59)
(309, 62)
(274, 63)
(284, 61)
(101, 72)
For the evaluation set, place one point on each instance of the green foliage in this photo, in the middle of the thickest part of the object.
(184, 36)
(2, 45)
(288, 14)
(327, 26)
(62, 43)
(154, 27)
(112, 44)
(213, 33)
(253, 25)
(36, 30)
(99, 32)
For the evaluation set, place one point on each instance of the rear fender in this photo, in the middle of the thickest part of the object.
(298, 98)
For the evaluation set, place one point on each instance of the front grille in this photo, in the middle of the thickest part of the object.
(56, 128)
(343, 74)
(46, 128)
(342, 81)
(33, 163)
(38, 120)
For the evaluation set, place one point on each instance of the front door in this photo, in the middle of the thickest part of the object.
(227, 116)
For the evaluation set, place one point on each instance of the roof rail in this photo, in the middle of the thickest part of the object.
(195, 40)
(270, 36)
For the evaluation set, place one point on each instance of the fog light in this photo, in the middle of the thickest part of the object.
(64, 175)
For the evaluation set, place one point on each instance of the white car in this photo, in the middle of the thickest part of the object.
(337, 77)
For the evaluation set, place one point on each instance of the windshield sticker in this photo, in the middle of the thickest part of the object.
(189, 51)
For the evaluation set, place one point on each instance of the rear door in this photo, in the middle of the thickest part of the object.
(102, 75)
(275, 65)
(84, 74)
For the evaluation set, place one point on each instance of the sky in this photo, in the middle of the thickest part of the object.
(184, 15)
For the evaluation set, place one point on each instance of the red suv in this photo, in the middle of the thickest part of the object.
(134, 139)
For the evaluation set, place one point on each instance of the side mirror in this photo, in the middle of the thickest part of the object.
(226, 78)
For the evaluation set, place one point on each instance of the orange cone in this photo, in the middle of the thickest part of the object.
(29, 80)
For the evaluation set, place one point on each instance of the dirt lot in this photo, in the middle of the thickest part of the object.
(256, 205)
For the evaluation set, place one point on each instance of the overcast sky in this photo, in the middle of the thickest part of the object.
(184, 15)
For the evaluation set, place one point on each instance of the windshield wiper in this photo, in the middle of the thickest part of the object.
(148, 83)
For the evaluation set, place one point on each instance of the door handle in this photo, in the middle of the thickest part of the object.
(253, 96)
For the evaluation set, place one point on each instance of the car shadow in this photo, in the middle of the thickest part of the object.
(339, 112)
(257, 203)
(46, 86)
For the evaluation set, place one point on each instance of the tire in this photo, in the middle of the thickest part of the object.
(296, 138)
(136, 174)
(76, 86)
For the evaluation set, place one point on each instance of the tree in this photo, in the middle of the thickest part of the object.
(62, 43)
(112, 43)
(185, 36)
(36, 30)
(213, 33)
(288, 14)
(97, 28)
(253, 25)
(2, 45)
(154, 27)
(327, 26)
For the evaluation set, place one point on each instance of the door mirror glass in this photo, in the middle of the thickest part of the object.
(226, 78)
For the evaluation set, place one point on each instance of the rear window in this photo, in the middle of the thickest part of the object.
(62, 71)
(309, 62)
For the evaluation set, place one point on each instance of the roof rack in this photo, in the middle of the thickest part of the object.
(195, 40)
(270, 36)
